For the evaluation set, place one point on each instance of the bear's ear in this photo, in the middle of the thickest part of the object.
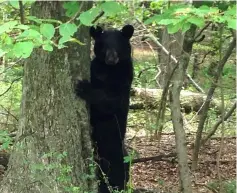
(127, 31)
(95, 32)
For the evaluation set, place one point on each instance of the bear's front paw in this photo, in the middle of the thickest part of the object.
(83, 88)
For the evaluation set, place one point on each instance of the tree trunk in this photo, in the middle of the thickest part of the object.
(172, 43)
(177, 119)
(53, 149)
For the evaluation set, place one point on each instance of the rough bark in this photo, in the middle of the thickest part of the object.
(172, 43)
(177, 119)
(52, 120)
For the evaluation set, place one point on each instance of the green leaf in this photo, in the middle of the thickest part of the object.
(6, 39)
(87, 17)
(127, 159)
(71, 8)
(34, 27)
(112, 8)
(48, 47)
(155, 18)
(199, 22)
(47, 30)
(14, 4)
(67, 29)
(64, 39)
(21, 26)
(213, 10)
(232, 23)
(33, 18)
(201, 11)
(2, 53)
(23, 49)
(186, 26)
(7, 26)
(173, 28)
(30, 33)
(168, 21)
(28, 2)
(231, 11)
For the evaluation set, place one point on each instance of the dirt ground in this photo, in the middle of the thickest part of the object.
(163, 175)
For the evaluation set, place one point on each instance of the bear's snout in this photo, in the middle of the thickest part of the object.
(111, 57)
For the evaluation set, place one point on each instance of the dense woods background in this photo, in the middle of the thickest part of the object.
(181, 127)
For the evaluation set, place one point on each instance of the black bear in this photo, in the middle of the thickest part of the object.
(108, 94)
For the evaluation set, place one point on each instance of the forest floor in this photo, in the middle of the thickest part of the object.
(163, 175)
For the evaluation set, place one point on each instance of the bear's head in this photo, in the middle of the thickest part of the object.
(112, 46)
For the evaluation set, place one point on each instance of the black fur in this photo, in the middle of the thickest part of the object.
(108, 94)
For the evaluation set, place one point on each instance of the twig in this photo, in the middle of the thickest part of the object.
(194, 83)
(217, 124)
(200, 32)
(197, 112)
(145, 69)
(154, 39)
(10, 86)
(9, 113)
(75, 15)
(98, 16)
(11, 65)
(204, 57)
(158, 69)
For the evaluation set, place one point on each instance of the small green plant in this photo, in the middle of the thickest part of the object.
(128, 159)
(62, 171)
(228, 186)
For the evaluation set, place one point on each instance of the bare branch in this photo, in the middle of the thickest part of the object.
(217, 124)
(11, 65)
(200, 32)
(204, 57)
(10, 86)
(194, 83)
(98, 16)
(9, 113)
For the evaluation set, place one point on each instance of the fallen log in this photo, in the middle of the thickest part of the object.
(190, 101)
